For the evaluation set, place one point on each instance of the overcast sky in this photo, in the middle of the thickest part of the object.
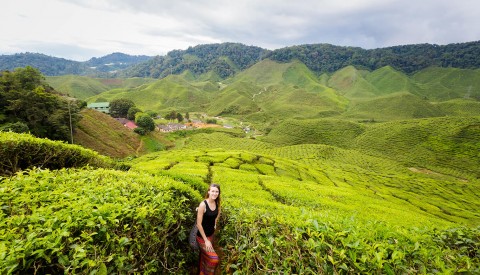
(81, 29)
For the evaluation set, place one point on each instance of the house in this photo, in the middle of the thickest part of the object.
(170, 127)
(131, 125)
(103, 107)
(127, 123)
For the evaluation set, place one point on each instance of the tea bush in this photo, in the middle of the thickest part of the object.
(94, 222)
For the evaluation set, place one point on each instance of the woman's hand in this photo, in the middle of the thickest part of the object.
(209, 246)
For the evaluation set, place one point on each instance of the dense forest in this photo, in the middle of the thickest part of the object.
(29, 105)
(115, 61)
(226, 59)
(48, 65)
(54, 66)
(408, 58)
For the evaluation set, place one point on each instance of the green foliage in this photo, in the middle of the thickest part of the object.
(223, 59)
(321, 131)
(145, 121)
(17, 127)
(48, 65)
(27, 99)
(54, 66)
(102, 133)
(83, 87)
(141, 131)
(23, 151)
(407, 58)
(95, 221)
(132, 112)
(440, 144)
(331, 210)
(120, 107)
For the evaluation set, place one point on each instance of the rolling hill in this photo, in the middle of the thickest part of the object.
(356, 171)
(103, 134)
(83, 87)
(54, 66)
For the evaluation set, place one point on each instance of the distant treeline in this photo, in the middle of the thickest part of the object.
(29, 105)
(54, 66)
(226, 59)
(409, 58)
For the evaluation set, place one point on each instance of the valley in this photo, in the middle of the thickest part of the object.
(353, 170)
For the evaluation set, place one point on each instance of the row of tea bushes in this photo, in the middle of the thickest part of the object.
(94, 222)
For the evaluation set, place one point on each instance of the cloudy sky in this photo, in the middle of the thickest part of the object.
(81, 29)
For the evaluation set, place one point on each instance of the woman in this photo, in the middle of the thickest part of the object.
(207, 216)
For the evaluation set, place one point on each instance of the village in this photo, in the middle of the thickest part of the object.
(165, 125)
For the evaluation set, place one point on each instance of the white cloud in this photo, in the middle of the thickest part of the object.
(76, 29)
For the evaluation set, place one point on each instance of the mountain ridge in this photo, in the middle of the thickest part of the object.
(226, 59)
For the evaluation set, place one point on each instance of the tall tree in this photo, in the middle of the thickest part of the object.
(27, 99)
(120, 107)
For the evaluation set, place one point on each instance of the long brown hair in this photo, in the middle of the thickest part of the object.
(217, 200)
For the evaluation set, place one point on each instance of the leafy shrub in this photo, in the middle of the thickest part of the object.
(270, 243)
(23, 151)
(94, 221)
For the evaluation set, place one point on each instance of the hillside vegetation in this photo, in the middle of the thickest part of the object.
(343, 169)
(227, 59)
(308, 209)
(317, 209)
(104, 134)
(83, 87)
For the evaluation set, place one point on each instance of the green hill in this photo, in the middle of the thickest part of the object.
(338, 133)
(270, 91)
(448, 145)
(107, 136)
(83, 87)
(442, 84)
(360, 210)
(173, 92)
(392, 107)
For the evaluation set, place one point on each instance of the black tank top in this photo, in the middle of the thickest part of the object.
(208, 221)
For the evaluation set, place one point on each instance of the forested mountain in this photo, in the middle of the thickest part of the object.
(227, 58)
(29, 105)
(224, 59)
(115, 61)
(48, 65)
(54, 66)
(407, 58)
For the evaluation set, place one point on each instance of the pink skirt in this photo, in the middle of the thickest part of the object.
(208, 260)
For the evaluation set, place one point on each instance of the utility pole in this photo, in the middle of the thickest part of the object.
(70, 117)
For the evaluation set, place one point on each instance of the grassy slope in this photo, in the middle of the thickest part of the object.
(448, 144)
(451, 198)
(442, 84)
(172, 92)
(269, 92)
(83, 87)
(107, 136)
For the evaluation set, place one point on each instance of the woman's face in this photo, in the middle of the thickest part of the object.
(213, 192)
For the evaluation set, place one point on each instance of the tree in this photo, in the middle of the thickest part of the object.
(187, 116)
(145, 121)
(27, 100)
(172, 115)
(120, 107)
(152, 113)
(132, 112)
(179, 117)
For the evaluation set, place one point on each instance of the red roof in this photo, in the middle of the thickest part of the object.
(131, 125)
